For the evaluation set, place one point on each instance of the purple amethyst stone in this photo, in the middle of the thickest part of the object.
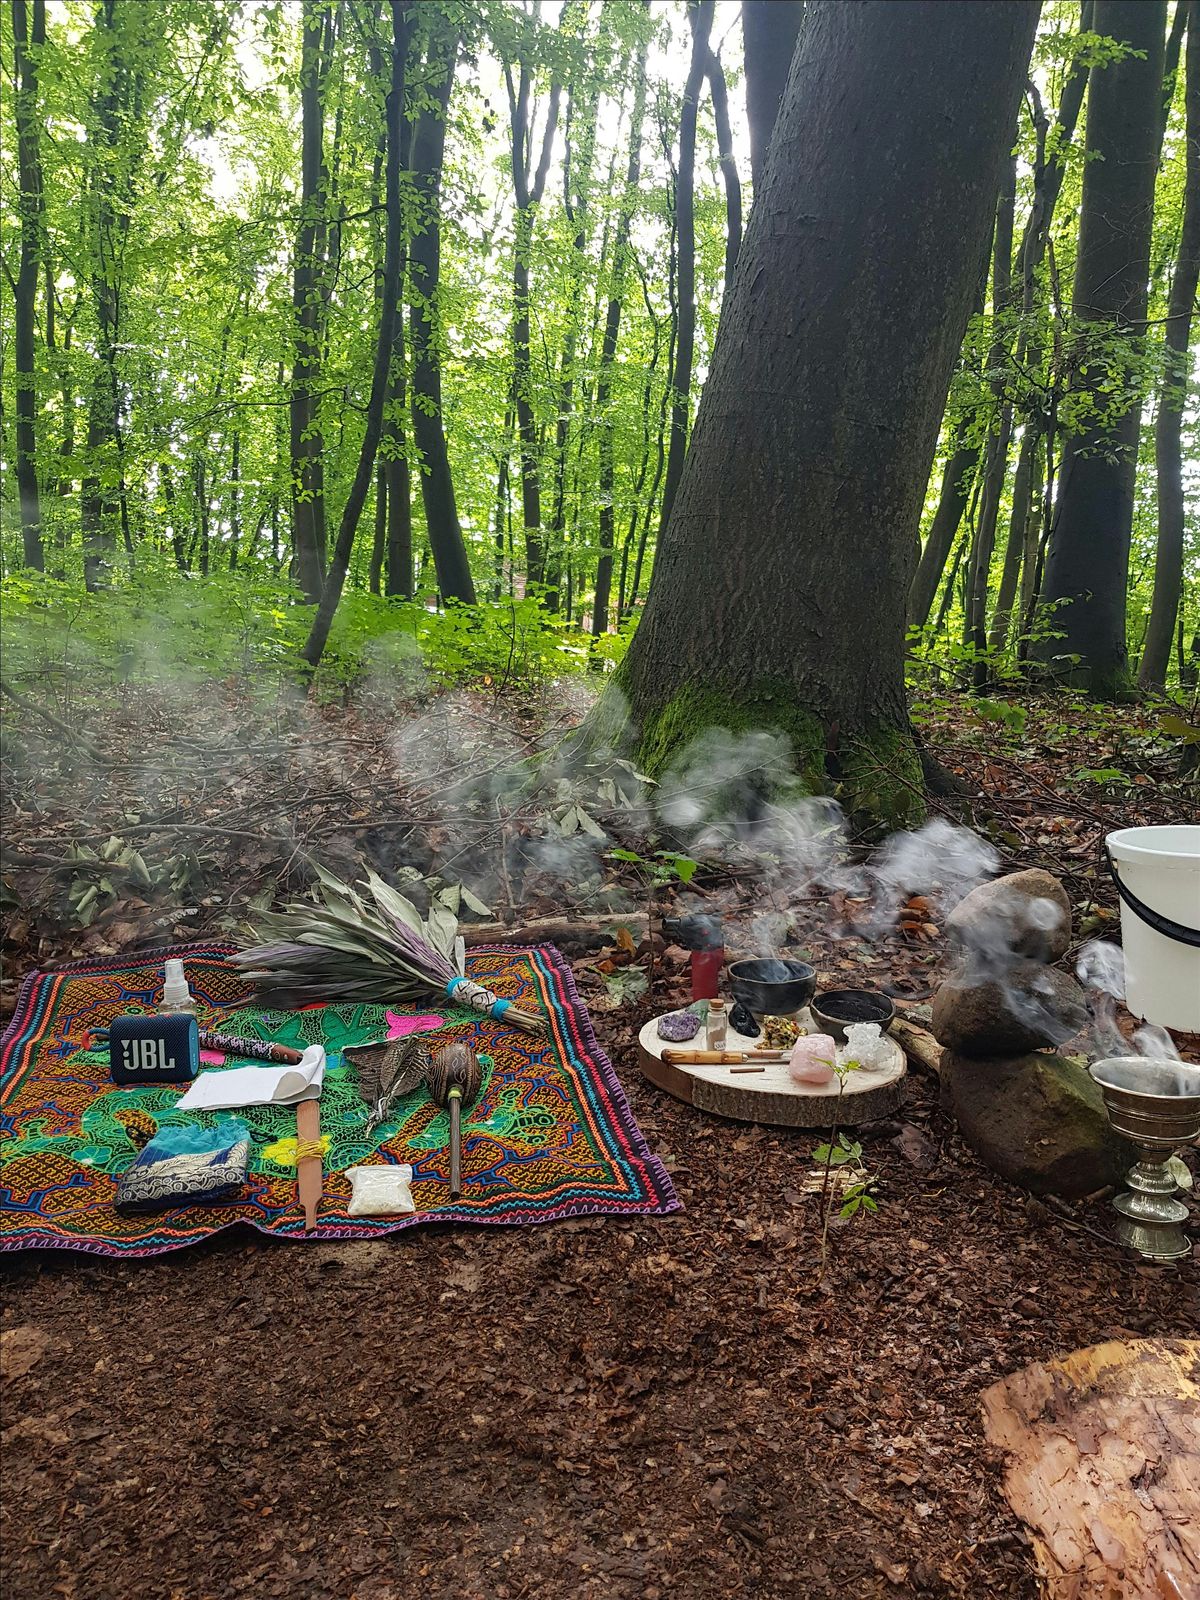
(678, 1026)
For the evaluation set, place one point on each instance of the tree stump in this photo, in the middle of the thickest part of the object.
(1104, 1468)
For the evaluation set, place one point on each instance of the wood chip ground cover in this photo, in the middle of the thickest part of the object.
(679, 1407)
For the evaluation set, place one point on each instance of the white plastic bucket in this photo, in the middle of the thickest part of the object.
(1157, 872)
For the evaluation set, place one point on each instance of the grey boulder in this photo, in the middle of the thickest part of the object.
(1021, 1008)
(1024, 914)
(1038, 1121)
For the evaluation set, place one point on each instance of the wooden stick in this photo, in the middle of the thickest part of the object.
(309, 1169)
(455, 1143)
(919, 1045)
(746, 1069)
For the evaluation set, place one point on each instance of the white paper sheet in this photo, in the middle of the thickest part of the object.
(225, 1089)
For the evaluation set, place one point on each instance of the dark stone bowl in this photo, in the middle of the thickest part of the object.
(835, 1009)
(770, 987)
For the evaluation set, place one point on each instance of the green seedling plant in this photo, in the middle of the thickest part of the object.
(841, 1151)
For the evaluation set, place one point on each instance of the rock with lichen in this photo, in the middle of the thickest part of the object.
(1037, 1120)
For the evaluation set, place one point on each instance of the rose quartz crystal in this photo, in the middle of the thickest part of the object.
(812, 1060)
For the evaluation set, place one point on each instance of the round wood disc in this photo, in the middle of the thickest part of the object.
(771, 1096)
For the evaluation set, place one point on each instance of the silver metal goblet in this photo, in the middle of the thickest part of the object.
(1156, 1105)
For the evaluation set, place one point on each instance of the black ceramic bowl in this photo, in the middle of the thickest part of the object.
(770, 987)
(835, 1009)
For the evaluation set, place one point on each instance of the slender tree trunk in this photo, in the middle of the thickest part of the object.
(1087, 565)
(29, 205)
(577, 185)
(307, 442)
(1048, 170)
(446, 541)
(624, 603)
(1032, 530)
(608, 354)
(379, 542)
(389, 311)
(201, 492)
(235, 499)
(1015, 543)
(729, 172)
(957, 478)
(659, 467)
(817, 450)
(502, 535)
(100, 511)
(1168, 453)
(700, 14)
(528, 185)
(769, 32)
(995, 456)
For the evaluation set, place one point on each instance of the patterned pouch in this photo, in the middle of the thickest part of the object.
(194, 1178)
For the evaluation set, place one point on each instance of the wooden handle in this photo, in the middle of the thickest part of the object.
(309, 1169)
(716, 1058)
(701, 1058)
(455, 1143)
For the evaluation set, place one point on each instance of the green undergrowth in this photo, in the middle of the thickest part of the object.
(157, 626)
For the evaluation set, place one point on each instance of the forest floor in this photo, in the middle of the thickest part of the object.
(689, 1406)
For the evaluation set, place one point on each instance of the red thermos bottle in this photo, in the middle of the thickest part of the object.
(704, 937)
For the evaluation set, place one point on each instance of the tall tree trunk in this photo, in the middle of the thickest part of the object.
(1014, 546)
(502, 533)
(201, 492)
(28, 46)
(957, 477)
(529, 182)
(1049, 168)
(1087, 564)
(577, 186)
(700, 15)
(817, 450)
(307, 442)
(729, 172)
(389, 311)
(446, 541)
(608, 354)
(769, 32)
(626, 594)
(1168, 454)
(108, 222)
(235, 499)
(379, 542)
(995, 456)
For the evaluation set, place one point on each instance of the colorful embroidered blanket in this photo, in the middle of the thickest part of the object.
(551, 1135)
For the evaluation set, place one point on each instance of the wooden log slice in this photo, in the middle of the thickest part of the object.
(771, 1096)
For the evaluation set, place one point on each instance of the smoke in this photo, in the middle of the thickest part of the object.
(1101, 969)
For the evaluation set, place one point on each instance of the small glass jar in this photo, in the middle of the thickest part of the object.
(716, 1025)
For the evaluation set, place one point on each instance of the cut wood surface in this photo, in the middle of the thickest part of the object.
(773, 1097)
(1104, 1468)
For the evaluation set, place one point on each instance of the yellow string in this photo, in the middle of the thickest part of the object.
(287, 1152)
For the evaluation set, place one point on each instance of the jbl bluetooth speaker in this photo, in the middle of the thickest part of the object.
(154, 1049)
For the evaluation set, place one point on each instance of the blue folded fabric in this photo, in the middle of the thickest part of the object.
(187, 1166)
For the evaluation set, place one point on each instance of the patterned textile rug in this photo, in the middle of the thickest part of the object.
(551, 1135)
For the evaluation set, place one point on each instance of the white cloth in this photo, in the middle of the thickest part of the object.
(225, 1088)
